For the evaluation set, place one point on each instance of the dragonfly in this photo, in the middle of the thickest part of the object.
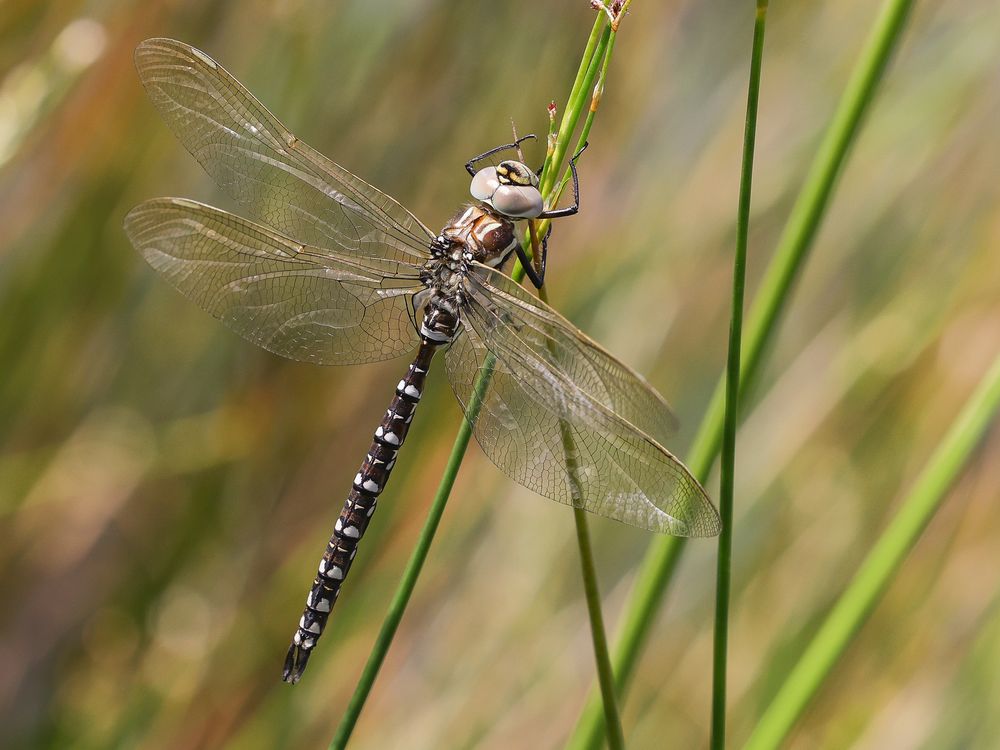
(336, 272)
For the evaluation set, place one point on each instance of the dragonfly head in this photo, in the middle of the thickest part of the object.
(510, 188)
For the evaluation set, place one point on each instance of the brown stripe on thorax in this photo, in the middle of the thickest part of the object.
(485, 233)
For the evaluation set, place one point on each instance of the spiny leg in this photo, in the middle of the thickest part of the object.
(569, 210)
(536, 278)
(470, 165)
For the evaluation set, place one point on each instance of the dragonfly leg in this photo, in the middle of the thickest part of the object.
(536, 277)
(470, 165)
(569, 210)
(528, 266)
(543, 256)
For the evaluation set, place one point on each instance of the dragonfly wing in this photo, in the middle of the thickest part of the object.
(299, 302)
(550, 419)
(547, 335)
(253, 157)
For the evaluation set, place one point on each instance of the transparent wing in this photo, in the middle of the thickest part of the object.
(252, 156)
(564, 418)
(545, 334)
(306, 304)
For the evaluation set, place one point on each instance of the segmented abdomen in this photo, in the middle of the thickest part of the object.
(357, 512)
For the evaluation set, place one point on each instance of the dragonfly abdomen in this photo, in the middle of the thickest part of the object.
(357, 511)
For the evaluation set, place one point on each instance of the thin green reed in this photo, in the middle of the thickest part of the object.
(594, 59)
(727, 474)
(873, 577)
(772, 297)
(592, 593)
(601, 58)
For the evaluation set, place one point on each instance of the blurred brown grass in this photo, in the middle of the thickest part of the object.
(165, 488)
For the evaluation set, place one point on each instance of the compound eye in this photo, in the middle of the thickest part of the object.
(484, 184)
(518, 202)
(516, 173)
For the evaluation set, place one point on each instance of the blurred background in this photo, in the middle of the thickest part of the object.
(166, 488)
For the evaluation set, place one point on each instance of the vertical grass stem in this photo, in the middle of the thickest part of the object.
(660, 562)
(727, 477)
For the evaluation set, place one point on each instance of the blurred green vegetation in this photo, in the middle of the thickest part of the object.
(165, 488)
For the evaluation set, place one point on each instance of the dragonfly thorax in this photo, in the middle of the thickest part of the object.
(476, 234)
(481, 234)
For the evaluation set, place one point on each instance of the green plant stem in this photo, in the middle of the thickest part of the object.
(593, 54)
(879, 567)
(574, 106)
(596, 68)
(567, 125)
(727, 475)
(605, 676)
(571, 118)
(595, 103)
(598, 633)
(414, 565)
(661, 559)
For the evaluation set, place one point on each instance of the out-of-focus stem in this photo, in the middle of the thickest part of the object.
(882, 563)
(727, 474)
(661, 559)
